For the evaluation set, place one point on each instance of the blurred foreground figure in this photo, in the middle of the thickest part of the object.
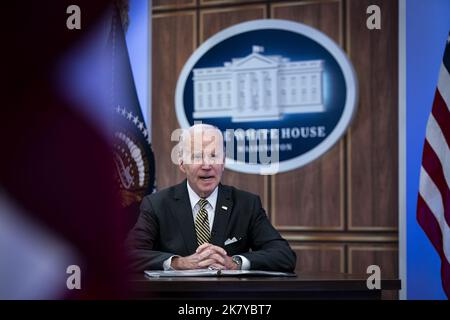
(58, 201)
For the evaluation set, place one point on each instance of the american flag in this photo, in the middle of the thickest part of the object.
(433, 206)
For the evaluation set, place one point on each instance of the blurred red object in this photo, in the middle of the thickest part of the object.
(54, 164)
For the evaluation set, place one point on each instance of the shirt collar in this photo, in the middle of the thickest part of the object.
(194, 197)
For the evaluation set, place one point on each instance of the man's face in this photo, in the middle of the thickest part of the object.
(203, 161)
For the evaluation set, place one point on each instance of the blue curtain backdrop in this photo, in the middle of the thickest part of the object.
(427, 28)
(137, 38)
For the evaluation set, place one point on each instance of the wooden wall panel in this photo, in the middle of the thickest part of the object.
(385, 256)
(373, 147)
(172, 4)
(311, 198)
(221, 2)
(362, 256)
(211, 22)
(215, 20)
(174, 39)
(320, 258)
(325, 16)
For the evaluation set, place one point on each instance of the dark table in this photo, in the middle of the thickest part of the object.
(303, 286)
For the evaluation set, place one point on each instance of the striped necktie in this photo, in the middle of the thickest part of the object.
(202, 223)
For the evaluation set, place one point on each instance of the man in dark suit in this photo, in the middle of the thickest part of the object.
(201, 223)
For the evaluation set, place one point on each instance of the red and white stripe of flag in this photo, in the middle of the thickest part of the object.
(433, 206)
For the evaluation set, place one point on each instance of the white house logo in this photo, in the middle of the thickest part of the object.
(272, 86)
(258, 88)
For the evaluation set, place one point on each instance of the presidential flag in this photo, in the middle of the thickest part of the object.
(133, 156)
(433, 207)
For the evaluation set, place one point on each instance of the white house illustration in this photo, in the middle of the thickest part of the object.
(258, 88)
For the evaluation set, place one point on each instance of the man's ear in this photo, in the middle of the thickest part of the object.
(223, 163)
(181, 166)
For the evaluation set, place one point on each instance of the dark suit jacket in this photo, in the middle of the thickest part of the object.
(166, 227)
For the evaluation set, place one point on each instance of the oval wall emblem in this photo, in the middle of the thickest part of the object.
(282, 93)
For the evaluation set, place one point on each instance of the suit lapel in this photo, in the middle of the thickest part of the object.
(222, 215)
(183, 213)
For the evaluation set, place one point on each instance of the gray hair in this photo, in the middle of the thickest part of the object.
(186, 135)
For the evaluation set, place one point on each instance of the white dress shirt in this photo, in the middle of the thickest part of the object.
(210, 208)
